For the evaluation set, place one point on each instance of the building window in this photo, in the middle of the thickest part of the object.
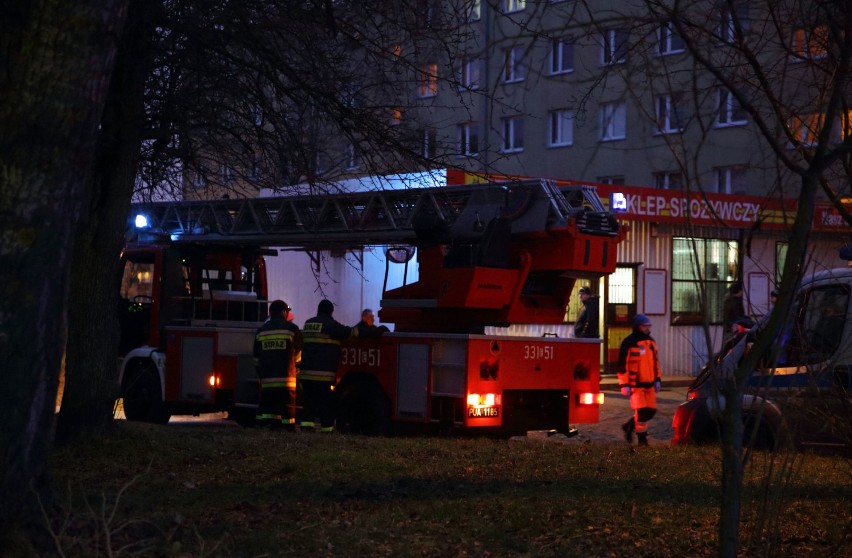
(468, 135)
(427, 83)
(428, 143)
(811, 43)
(614, 46)
(352, 159)
(560, 128)
(396, 116)
(473, 9)
(513, 68)
(668, 180)
(702, 270)
(513, 134)
(200, 178)
(469, 73)
(731, 112)
(732, 19)
(509, 6)
(613, 121)
(730, 180)
(229, 175)
(668, 41)
(562, 56)
(780, 258)
(617, 180)
(805, 129)
(671, 110)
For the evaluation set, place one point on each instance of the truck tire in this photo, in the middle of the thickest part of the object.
(362, 407)
(140, 390)
(243, 416)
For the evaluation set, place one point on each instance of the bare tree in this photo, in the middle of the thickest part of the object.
(56, 62)
(223, 98)
(786, 65)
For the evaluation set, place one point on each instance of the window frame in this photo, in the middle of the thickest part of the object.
(663, 180)
(513, 66)
(666, 106)
(469, 73)
(472, 10)
(512, 134)
(715, 289)
(725, 176)
(466, 132)
(727, 107)
(558, 48)
(726, 30)
(512, 6)
(614, 52)
(428, 143)
(666, 39)
(556, 125)
(608, 121)
(427, 81)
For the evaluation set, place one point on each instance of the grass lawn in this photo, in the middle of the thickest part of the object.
(200, 490)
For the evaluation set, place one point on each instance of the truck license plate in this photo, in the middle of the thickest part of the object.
(483, 412)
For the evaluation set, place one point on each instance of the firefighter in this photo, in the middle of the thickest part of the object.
(320, 355)
(276, 345)
(639, 378)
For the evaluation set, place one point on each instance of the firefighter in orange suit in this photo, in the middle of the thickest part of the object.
(318, 369)
(276, 344)
(639, 378)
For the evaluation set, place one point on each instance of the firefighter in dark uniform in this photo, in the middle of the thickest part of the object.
(276, 345)
(639, 378)
(320, 355)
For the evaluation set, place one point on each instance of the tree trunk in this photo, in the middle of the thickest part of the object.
(90, 369)
(732, 418)
(56, 61)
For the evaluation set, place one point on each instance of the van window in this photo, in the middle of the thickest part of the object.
(818, 329)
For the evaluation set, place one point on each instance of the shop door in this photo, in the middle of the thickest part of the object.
(620, 308)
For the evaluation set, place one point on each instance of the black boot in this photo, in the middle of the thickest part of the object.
(643, 438)
(628, 428)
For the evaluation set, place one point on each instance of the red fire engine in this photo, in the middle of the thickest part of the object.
(488, 255)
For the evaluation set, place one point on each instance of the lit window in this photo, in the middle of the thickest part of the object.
(396, 116)
(668, 41)
(468, 135)
(614, 46)
(668, 180)
(730, 180)
(671, 111)
(513, 134)
(805, 129)
(562, 56)
(731, 112)
(702, 270)
(469, 73)
(513, 69)
(509, 6)
(613, 121)
(427, 83)
(561, 128)
(811, 43)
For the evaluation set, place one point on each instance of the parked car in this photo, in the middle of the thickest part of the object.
(805, 399)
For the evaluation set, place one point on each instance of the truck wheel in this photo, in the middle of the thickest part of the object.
(363, 408)
(143, 400)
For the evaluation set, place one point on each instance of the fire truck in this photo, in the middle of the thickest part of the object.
(194, 289)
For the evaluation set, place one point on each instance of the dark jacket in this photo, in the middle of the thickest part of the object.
(276, 342)
(366, 330)
(732, 310)
(321, 347)
(587, 323)
(638, 361)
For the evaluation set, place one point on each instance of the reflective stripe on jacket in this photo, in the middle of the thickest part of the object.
(275, 344)
(321, 347)
(638, 361)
